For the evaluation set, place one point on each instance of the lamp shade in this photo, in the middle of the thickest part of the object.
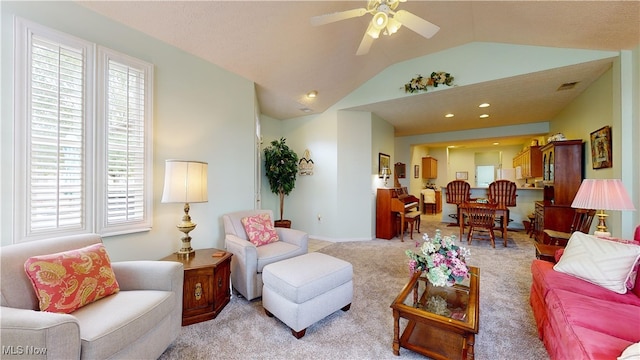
(602, 194)
(185, 182)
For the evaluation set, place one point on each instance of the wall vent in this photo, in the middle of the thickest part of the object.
(568, 86)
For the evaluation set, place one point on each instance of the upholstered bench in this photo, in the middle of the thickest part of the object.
(305, 289)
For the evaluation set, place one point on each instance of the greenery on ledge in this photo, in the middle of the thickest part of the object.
(421, 83)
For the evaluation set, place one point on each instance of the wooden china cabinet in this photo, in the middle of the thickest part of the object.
(562, 172)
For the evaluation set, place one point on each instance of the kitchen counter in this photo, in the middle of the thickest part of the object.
(526, 198)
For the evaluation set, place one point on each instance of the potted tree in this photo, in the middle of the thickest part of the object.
(281, 167)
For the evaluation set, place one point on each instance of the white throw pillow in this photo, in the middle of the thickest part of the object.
(631, 353)
(598, 261)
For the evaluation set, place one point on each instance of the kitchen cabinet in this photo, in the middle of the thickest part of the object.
(429, 168)
(529, 161)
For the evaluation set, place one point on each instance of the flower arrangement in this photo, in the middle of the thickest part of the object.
(421, 83)
(441, 259)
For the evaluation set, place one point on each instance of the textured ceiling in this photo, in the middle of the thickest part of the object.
(273, 44)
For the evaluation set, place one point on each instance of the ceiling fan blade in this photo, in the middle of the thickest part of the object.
(337, 16)
(417, 24)
(367, 40)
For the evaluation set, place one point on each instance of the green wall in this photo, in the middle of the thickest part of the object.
(201, 112)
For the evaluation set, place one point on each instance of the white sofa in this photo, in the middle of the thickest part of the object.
(138, 322)
(248, 260)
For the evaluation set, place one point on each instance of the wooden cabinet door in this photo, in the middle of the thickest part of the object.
(221, 289)
(530, 163)
(429, 168)
(563, 170)
(198, 292)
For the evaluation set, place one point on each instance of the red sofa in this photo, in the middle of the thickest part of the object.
(579, 320)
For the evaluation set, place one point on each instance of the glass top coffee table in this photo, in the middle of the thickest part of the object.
(442, 321)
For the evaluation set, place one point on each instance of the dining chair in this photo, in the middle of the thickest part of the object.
(503, 193)
(458, 192)
(482, 216)
(582, 219)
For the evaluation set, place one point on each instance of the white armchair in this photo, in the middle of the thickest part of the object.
(140, 321)
(248, 260)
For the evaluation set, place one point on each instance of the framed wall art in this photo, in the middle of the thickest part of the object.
(416, 171)
(400, 169)
(601, 148)
(384, 162)
(462, 175)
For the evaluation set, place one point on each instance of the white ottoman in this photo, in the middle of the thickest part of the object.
(305, 289)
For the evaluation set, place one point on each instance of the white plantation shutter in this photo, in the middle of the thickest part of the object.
(64, 183)
(125, 115)
(52, 119)
(56, 137)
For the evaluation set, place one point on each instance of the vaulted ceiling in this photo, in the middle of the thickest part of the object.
(274, 44)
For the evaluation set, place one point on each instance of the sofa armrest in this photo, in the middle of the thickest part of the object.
(39, 334)
(293, 236)
(149, 275)
(243, 251)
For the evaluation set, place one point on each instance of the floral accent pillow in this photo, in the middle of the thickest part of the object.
(259, 229)
(67, 281)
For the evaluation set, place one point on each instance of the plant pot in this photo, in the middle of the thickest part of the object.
(282, 223)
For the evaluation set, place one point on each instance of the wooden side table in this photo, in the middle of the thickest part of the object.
(547, 252)
(206, 289)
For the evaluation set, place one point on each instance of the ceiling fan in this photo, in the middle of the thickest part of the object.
(385, 19)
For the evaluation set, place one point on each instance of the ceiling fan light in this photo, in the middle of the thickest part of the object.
(380, 20)
(393, 25)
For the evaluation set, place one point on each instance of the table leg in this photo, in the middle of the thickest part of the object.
(402, 227)
(396, 332)
(505, 223)
(461, 222)
(470, 344)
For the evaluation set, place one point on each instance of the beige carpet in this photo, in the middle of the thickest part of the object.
(507, 329)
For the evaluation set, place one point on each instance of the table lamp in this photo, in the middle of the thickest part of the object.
(602, 194)
(185, 182)
(385, 175)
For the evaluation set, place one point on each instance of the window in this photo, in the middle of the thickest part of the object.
(124, 166)
(61, 177)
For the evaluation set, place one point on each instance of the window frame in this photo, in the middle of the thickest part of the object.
(104, 55)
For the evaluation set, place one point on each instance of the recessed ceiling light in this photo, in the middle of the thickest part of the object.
(449, 115)
(484, 105)
(307, 110)
(496, 143)
(484, 116)
(312, 94)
